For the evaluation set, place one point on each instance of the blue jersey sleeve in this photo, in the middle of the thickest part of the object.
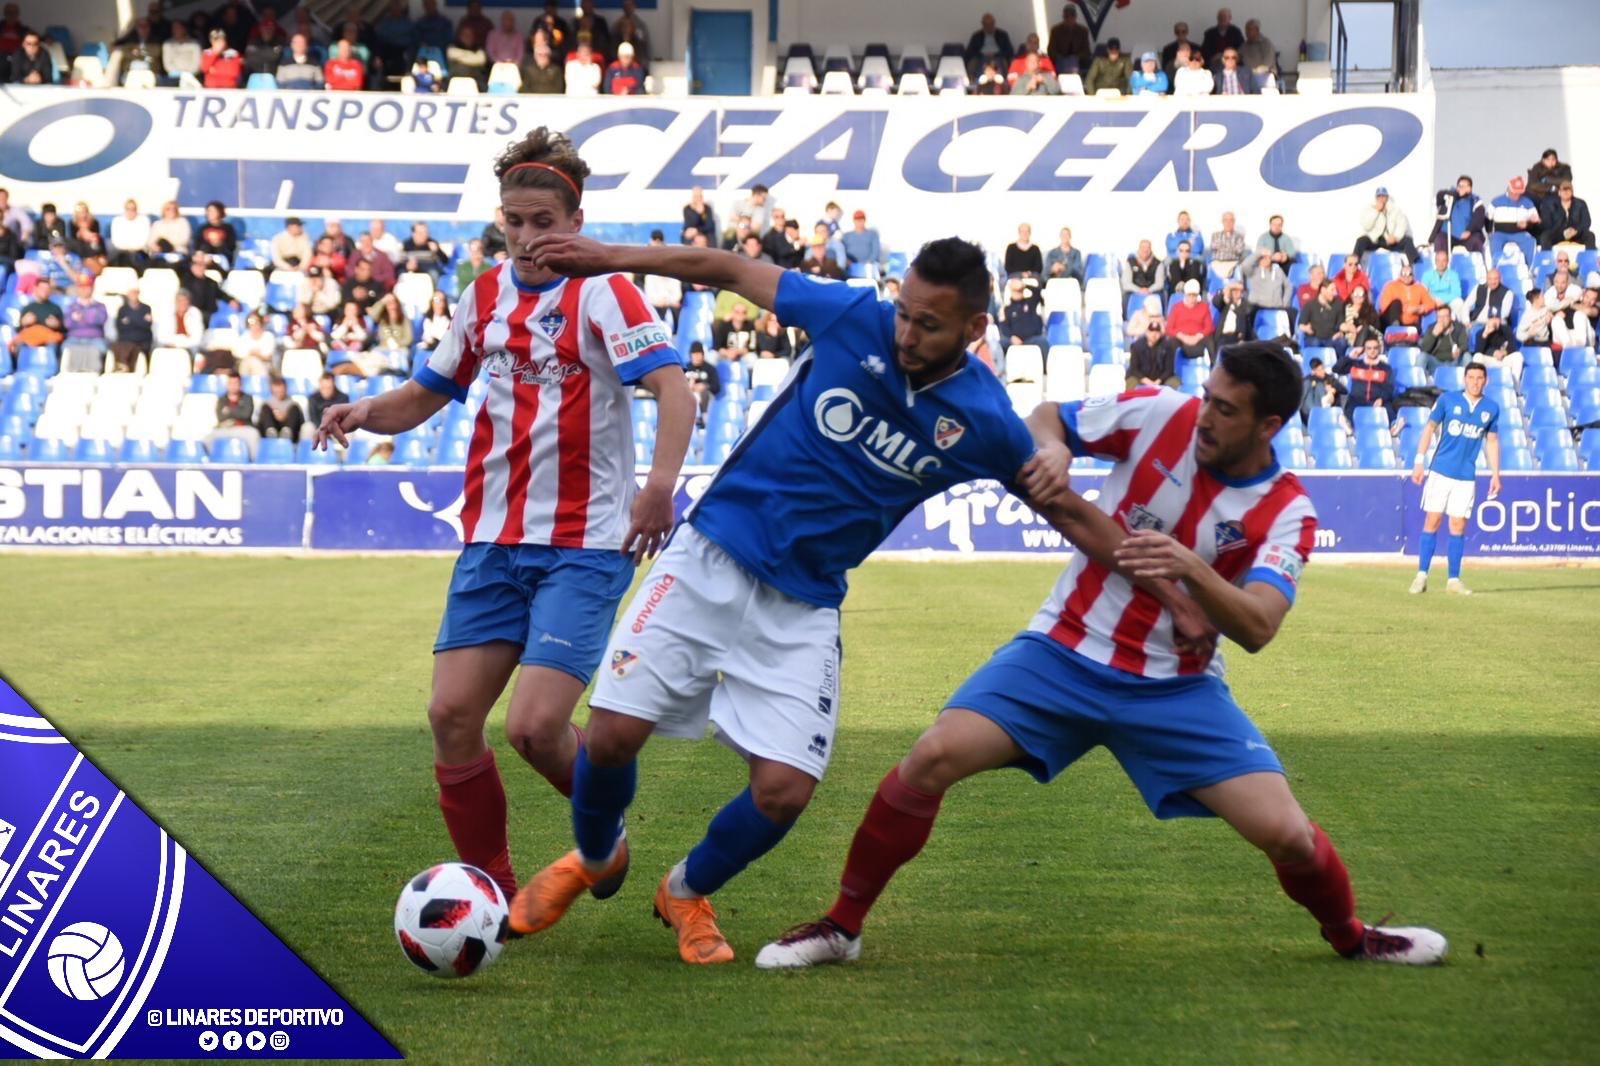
(1016, 449)
(1494, 418)
(816, 304)
(1436, 416)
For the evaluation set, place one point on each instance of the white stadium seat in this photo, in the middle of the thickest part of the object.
(1065, 368)
(1063, 294)
(1024, 362)
(171, 363)
(1106, 379)
(115, 281)
(249, 287)
(768, 372)
(914, 85)
(302, 364)
(1025, 396)
(461, 87)
(505, 74)
(837, 83)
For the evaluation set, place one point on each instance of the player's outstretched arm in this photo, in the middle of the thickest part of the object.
(1248, 616)
(652, 517)
(393, 412)
(575, 255)
(1418, 467)
(1491, 448)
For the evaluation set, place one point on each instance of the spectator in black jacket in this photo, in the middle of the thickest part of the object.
(1371, 376)
(1183, 267)
(1445, 342)
(1320, 318)
(988, 43)
(1152, 358)
(326, 396)
(705, 380)
(1069, 40)
(1564, 219)
(1319, 389)
(135, 331)
(782, 242)
(1020, 320)
(204, 291)
(494, 237)
(1546, 176)
(1022, 255)
(31, 64)
(1221, 37)
(1235, 316)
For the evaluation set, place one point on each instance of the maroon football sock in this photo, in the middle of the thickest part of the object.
(473, 801)
(897, 824)
(1321, 885)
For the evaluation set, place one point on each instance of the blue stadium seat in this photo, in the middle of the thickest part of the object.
(187, 452)
(718, 452)
(1559, 460)
(644, 411)
(1369, 418)
(1448, 377)
(1576, 360)
(1192, 372)
(1326, 418)
(1541, 397)
(210, 384)
(734, 372)
(89, 450)
(230, 450)
(276, 450)
(1325, 354)
(256, 385)
(1532, 356)
(1376, 459)
(45, 450)
(1410, 376)
(1404, 353)
(1059, 329)
(1540, 377)
(307, 455)
(39, 360)
(10, 448)
(452, 451)
(1099, 265)
(1547, 418)
(412, 451)
(1413, 416)
(1333, 459)
(1518, 458)
(736, 392)
(1589, 448)
(138, 451)
(262, 81)
(15, 426)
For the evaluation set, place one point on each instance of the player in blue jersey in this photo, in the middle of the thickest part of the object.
(1467, 422)
(738, 623)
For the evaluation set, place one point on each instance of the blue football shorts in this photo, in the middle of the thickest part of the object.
(556, 603)
(1170, 734)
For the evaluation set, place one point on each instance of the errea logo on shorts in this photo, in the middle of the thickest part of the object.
(658, 592)
(842, 418)
(631, 343)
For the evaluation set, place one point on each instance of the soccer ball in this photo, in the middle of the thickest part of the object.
(451, 920)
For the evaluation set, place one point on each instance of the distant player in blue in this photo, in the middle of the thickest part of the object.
(738, 623)
(1467, 422)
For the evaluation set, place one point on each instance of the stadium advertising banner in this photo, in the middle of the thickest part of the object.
(1113, 170)
(404, 509)
(151, 507)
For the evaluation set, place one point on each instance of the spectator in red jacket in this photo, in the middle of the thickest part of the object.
(220, 65)
(1351, 276)
(624, 77)
(343, 71)
(1190, 323)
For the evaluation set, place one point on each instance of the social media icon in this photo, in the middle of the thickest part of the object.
(208, 1041)
(232, 1040)
(279, 1040)
(255, 1040)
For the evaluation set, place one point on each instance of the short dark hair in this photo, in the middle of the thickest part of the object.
(758, 187)
(276, 379)
(697, 346)
(326, 376)
(235, 374)
(657, 235)
(1464, 178)
(1535, 291)
(1267, 367)
(1475, 366)
(959, 264)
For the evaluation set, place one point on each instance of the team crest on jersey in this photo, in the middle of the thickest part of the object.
(553, 324)
(874, 365)
(1230, 536)
(1485, 417)
(1141, 517)
(946, 432)
(622, 662)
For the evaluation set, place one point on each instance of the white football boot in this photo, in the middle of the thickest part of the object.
(1454, 585)
(1408, 945)
(1419, 583)
(811, 944)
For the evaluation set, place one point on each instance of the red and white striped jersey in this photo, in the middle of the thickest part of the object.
(1260, 529)
(551, 457)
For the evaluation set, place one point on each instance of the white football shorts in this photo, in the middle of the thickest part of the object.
(704, 639)
(1447, 494)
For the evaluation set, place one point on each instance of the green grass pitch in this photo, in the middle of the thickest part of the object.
(270, 713)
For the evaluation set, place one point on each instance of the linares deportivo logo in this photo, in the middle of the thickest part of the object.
(112, 940)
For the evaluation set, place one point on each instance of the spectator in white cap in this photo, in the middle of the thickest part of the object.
(1149, 78)
(1190, 323)
(624, 77)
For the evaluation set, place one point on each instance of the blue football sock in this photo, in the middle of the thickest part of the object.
(1454, 550)
(600, 794)
(1425, 548)
(738, 835)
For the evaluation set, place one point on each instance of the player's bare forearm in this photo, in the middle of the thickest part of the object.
(1249, 617)
(1098, 536)
(1044, 422)
(578, 256)
(675, 411)
(401, 409)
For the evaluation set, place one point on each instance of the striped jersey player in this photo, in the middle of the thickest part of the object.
(1195, 485)
(551, 515)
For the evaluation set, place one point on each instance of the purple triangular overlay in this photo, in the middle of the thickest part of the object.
(114, 942)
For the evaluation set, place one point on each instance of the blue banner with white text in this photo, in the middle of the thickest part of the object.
(397, 508)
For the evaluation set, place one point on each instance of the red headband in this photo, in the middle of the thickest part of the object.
(563, 175)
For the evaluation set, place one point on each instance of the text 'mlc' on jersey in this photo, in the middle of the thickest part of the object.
(848, 448)
(1462, 427)
(1258, 529)
(551, 456)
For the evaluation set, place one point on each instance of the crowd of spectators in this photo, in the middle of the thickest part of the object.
(1226, 61)
(222, 47)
